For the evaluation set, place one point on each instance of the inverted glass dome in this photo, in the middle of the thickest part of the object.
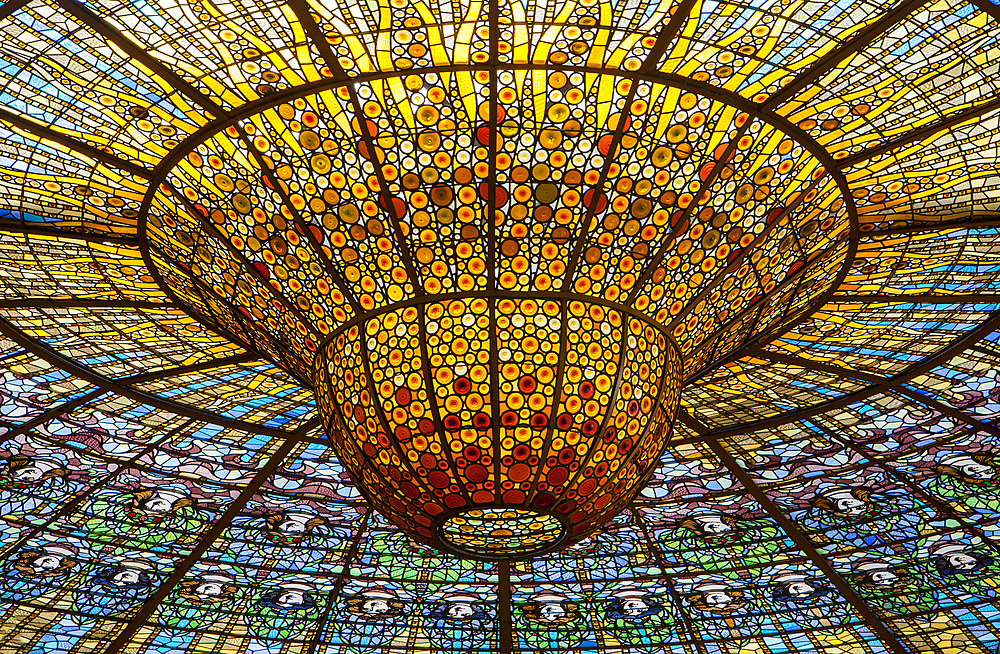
(588, 326)
(484, 275)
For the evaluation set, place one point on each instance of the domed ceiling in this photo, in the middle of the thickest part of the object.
(578, 326)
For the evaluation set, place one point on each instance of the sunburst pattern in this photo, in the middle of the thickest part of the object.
(198, 198)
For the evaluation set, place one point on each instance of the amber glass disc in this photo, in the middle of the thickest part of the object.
(502, 533)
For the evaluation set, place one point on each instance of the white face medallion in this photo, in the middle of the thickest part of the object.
(460, 610)
(157, 504)
(46, 562)
(850, 506)
(712, 525)
(551, 612)
(636, 606)
(126, 578)
(375, 607)
(293, 524)
(978, 471)
(962, 561)
(28, 474)
(884, 578)
(291, 598)
(717, 599)
(800, 589)
(208, 589)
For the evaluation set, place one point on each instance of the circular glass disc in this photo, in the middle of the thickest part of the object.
(502, 532)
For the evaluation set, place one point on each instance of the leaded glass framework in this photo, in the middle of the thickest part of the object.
(769, 226)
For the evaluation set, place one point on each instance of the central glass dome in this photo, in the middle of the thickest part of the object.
(496, 280)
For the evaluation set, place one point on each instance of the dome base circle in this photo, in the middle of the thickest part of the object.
(502, 532)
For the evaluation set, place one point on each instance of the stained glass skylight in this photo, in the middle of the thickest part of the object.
(281, 277)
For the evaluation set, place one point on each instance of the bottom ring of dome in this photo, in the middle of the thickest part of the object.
(502, 532)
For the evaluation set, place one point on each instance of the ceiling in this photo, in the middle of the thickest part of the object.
(831, 483)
